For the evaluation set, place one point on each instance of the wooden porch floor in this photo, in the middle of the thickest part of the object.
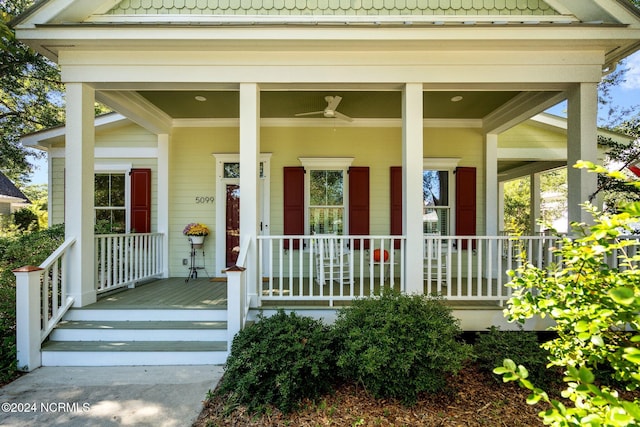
(205, 293)
(169, 293)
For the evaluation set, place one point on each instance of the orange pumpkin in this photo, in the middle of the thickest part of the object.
(376, 255)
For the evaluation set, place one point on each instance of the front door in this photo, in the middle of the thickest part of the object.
(232, 224)
(228, 207)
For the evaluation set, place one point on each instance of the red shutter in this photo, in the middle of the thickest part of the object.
(293, 203)
(359, 204)
(465, 202)
(396, 202)
(140, 200)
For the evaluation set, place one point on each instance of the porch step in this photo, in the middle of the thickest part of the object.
(134, 336)
(96, 330)
(128, 353)
(148, 314)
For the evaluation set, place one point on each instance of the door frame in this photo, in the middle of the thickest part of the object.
(221, 202)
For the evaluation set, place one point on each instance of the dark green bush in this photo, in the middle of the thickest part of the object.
(398, 346)
(523, 347)
(279, 361)
(25, 219)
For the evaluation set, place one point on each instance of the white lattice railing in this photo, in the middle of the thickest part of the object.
(41, 301)
(124, 259)
(329, 267)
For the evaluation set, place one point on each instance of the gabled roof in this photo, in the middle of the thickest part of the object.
(9, 191)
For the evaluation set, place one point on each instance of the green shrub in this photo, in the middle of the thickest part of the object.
(398, 346)
(495, 345)
(26, 219)
(279, 361)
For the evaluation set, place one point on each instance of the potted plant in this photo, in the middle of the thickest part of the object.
(196, 232)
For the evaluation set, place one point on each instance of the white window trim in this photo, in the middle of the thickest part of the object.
(327, 163)
(124, 168)
(448, 164)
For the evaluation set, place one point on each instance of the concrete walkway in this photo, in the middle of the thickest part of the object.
(162, 396)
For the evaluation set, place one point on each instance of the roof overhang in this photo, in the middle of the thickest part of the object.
(44, 139)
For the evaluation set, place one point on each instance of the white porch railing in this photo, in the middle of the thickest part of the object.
(124, 259)
(329, 267)
(474, 268)
(332, 268)
(41, 301)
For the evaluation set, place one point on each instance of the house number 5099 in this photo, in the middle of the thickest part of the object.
(204, 199)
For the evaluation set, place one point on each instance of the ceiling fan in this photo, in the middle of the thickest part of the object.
(330, 110)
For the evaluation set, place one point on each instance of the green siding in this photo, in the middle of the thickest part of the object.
(334, 7)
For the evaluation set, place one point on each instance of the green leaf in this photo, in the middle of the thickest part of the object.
(585, 375)
(597, 340)
(581, 326)
(509, 364)
(533, 398)
(632, 409)
(622, 295)
(632, 354)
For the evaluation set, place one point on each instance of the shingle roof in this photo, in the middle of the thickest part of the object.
(335, 7)
(8, 189)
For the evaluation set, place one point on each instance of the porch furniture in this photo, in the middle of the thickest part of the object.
(435, 259)
(193, 264)
(331, 259)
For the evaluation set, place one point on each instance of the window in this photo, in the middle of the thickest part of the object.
(435, 197)
(326, 193)
(326, 200)
(437, 194)
(110, 203)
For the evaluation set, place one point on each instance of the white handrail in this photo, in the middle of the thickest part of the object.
(55, 301)
(125, 259)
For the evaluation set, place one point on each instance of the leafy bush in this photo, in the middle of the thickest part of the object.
(26, 219)
(279, 361)
(17, 250)
(398, 346)
(595, 308)
(495, 345)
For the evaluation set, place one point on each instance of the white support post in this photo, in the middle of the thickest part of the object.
(412, 153)
(581, 145)
(28, 314)
(491, 184)
(500, 196)
(235, 309)
(535, 202)
(79, 190)
(491, 198)
(163, 199)
(249, 176)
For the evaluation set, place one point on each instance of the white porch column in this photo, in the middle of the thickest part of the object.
(79, 191)
(501, 227)
(535, 201)
(249, 175)
(163, 198)
(581, 145)
(491, 184)
(412, 153)
(491, 198)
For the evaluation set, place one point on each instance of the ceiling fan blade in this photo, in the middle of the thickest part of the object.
(341, 116)
(313, 113)
(332, 102)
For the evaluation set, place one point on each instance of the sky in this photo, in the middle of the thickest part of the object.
(625, 95)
